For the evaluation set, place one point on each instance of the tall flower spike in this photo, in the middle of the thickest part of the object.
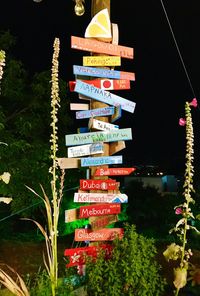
(2, 64)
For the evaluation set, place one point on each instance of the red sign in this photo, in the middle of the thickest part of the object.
(100, 222)
(78, 255)
(99, 185)
(108, 84)
(104, 234)
(99, 210)
(114, 171)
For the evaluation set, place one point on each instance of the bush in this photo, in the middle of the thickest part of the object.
(132, 270)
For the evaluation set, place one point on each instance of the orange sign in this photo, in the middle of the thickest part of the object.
(104, 234)
(114, 171)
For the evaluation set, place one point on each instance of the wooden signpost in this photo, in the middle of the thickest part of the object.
(106, 84)
(102, 73)
(99, 184)
(84, 150)
(104, 234)
(114, 171)
(102, 61)
(92, 45)
(93, 137)
(100, 197)
(104, 96)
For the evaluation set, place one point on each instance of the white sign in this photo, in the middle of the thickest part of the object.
(100, 198)
(83, 150)
(101, 125)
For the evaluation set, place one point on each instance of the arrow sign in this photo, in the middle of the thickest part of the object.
(99, 210)
(101, 61)
(104, 234)
(83, 150)
(101, 47)
(100, 197)
(68, 163)
(114, 171)
(95, 112)
(102, 72)
(101, 125)
(104, 96)
(107, 84)
(97, 161)
(88, 138)
(98, 184)
(100, 222)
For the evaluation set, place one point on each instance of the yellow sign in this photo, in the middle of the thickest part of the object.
(102, 61)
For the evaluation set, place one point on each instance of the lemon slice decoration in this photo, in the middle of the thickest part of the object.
(100, 27)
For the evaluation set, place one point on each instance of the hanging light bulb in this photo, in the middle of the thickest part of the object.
(79, 7)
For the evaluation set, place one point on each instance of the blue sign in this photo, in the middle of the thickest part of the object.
(97, 161)
(95, 112)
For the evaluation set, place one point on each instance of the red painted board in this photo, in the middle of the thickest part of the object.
(107, 84)
(99, 210)
(98, 184)
(103, 221)
(77, 255)
(104, 234)
(114, 171)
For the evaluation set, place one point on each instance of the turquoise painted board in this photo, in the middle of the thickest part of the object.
(97, 161)
(102, 72)
(104, 96)
(95, 112)
(93, 137)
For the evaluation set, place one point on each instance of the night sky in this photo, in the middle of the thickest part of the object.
(161, 87)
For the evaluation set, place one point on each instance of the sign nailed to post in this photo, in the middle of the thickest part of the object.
(104, 234)
(83, 150)
(93, 137)
(95, 112)
(102, 125)
(101, 61)
(99, 210)
(104, 96)
(98, 184)
(101, 197)
(105, 160)
(114, 171)
(107, 84)
(101, 47)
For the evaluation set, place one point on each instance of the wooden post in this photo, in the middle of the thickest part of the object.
(98, 5)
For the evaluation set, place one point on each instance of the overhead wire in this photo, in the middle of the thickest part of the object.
(178, 50)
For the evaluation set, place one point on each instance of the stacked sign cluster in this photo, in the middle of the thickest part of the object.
(86, 148)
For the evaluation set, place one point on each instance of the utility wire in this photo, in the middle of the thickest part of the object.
(177, 47)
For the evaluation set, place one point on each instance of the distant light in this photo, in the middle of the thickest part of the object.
(37, 1)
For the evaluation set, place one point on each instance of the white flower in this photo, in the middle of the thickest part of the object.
(5, 177)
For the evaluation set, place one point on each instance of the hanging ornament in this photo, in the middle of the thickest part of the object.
(79, 7)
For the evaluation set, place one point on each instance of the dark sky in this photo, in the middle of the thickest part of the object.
(161, 87)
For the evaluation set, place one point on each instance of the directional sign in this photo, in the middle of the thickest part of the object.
(101, 61)
(93, 45)
(101, 125)
(104, 160)
(98, 184)
(102, 72)
(93, 137)
(115, 147)
(104, 234)
(107, 84)
(77, 106)
(78, 255)
(99, 210)
(104, 96)
(100, 222)
(95, 112)
(68, 163)
(100, 197)
(83, 150)
(114, 171)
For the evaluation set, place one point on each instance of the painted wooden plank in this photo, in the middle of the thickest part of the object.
(95, 112)
(101, 125)
(115, 147)
(92, 184)
(104, 234)
(68, 163)
(77, 256)
(83, 150)
(71, 215)
(77, 106)
(99, 210)
(100, 197)
(83, 129)
(117, 114)
(102, 72)
(114, 171)
(101, 61)
(88, 138)
(93, 45)
(104, 96)
(100, 222)
(97, 161)
(107, 84)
